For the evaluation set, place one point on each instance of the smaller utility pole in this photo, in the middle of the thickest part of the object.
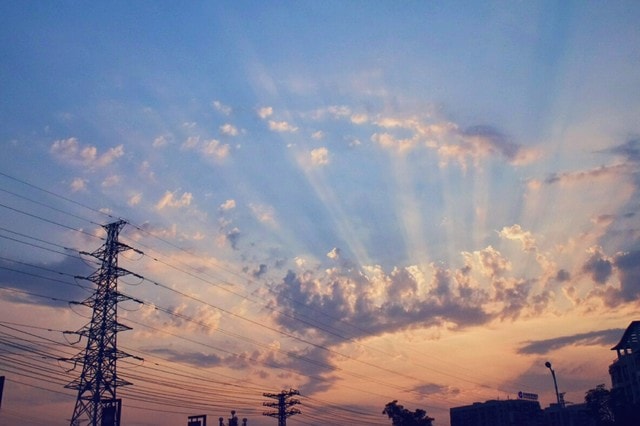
(555, 385)
(284, 404)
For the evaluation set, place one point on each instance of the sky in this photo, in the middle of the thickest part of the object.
(362, 201)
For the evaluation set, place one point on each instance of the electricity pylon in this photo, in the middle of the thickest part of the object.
(283, 405)
(97, 402)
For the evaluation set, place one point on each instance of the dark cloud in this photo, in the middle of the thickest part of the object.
(630, 150)
(233, 236)
(599, 267)
(601, 337)
(628, 266)
(351, 309)
(495, 140)
(196, 359)
(563, 275)
(262, 269)
(53, 280)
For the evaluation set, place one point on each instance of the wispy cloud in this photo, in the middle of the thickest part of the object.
(601, 338)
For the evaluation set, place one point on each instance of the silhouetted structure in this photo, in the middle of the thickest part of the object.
(200, 420)
(284, 404)
(97, 403)
(625, 377)
(559, 396)
(510, 412)
(233, 420)
(1, 388)
(568, 415)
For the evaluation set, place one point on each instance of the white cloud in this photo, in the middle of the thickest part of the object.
(71, 151)
(78, 184)
(359, 118)
(228, 205)
(320, 156)
(160, 141)
(318, 135)
(135, 199)
(516, 233)
(334, 253)
(229, 129)
(220, 107)
(282, 126)
(264, 213)
(110, 181)
(215, 149)
(265, 112)
(169, 199)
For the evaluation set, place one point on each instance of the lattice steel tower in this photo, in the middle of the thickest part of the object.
(97, 403)
(283, 405)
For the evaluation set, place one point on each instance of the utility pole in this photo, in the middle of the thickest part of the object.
(97, 403)
(283, 405)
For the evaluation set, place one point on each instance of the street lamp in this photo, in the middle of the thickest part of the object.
(555, 383)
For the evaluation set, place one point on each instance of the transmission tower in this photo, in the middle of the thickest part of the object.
(97, 403)
(283, 405)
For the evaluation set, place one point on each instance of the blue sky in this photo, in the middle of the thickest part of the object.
(397, 185)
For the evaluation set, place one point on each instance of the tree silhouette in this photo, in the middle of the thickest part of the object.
(599, 405)
(400, 416)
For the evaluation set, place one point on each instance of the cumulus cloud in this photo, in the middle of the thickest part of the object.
(598, 265)
(516, 233)
(228, 205)
(135, 199)
(265, 112)
(320, 156)
(628, 267)
(264, 213)
(169, 199)
(71, 151)
(220, 107)
(160, 141)
(229, 129)
(282, 126)
(211, 148)
(78, 184)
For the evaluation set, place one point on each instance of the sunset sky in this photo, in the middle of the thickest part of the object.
(365, 201)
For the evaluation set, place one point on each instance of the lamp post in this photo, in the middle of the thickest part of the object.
(555, 383)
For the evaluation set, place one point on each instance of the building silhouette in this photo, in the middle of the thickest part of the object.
(509, 412)
(625, 377)
(625, 370)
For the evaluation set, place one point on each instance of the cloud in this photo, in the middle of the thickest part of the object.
(359, 118)
(214, 149)
(264, 213)
(630, 150)
(516, 233)
(265, 112)
(160, 141)
(628, 267)
(282, 127)
(78, 184)
(318, 135)
(320, 156)
(169, 199)
(53, 279)
(602, 172)
(70, 151)
(135, 199)
(227, 205)
(486, 140)
(220, 107)
(229, 129)
(598, 265)
(594, 338)
(211, 148)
